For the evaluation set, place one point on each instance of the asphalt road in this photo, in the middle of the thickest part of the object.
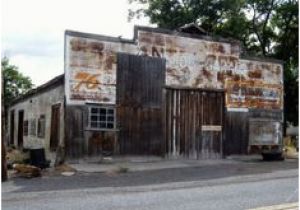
(226, 195)
(236, 186)
(95, 180)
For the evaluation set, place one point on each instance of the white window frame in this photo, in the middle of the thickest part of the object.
(100, 106)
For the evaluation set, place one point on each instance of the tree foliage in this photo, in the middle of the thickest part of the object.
(14, 82)
(265, 28)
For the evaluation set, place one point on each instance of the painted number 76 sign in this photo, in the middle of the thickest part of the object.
(86, 80)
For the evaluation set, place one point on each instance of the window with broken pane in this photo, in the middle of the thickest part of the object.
(32, 128)
(41, 126)
(101, 117)
(25, 128)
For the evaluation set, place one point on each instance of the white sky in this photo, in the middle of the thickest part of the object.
(32, 32)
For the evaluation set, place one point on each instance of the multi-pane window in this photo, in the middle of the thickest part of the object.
(25, 128)
(101, 117)
(41, 126)
(32, 127)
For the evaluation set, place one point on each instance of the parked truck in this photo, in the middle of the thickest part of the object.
(265, 137)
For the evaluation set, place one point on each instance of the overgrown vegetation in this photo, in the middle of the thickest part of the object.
(14, 82)
(265, 28)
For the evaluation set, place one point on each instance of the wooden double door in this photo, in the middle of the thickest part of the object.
(194, 123)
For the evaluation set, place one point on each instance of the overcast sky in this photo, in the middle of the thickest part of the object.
(32, 32)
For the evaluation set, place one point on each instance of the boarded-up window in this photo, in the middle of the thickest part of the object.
(41, 126)
(25, 128)
(32, 128)
(101, 117)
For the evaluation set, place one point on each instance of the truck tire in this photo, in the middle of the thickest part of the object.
(276, 156)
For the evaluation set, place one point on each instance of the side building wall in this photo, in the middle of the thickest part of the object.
(37, 120)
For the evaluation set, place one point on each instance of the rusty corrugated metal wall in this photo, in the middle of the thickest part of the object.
(91, 69)
(251, 86)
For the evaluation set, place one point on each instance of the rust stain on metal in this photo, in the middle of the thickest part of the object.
(159, 40)
(207, 74)
(221, 49)
(255, 74)
(223, 75)
(172, 51)
(147, 38)
(252, 94)
(83, 45)
(198, 81)
(110, 60)
(190, 63)
(144, 50)
(156, 53)
(78, 44)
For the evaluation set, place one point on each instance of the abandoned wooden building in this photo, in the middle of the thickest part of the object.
(169, 93)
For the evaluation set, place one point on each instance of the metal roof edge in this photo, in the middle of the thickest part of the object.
(98, 36)
(56, 81)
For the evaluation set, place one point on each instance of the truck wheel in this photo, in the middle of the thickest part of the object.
(266, 157)
(277, 156)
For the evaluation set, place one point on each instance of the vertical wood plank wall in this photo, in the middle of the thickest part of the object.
(140, 81)
(194, 123)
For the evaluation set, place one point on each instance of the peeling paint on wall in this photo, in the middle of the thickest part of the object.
(91, 69)
(253, 94)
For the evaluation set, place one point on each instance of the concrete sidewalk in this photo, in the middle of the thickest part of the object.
(149, 163)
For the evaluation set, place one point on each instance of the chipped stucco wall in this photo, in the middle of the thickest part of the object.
(34, 107)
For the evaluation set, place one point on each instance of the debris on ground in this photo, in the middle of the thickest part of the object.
(122, 169)
(15, 156)
(291, 152)
(28, 171)
(60, 156)
(67, 173)
(116, 171)
(65, 168)
(290, 148)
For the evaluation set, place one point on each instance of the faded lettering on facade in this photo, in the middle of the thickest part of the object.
(91, 69)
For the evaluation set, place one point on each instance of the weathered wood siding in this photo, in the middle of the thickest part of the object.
(236, 133)
(194, 123)
(140, 80)
(74, 133)
(81, 141)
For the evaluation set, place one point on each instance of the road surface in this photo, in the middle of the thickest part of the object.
(237, 190)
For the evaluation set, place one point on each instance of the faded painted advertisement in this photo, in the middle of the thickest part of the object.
(258, 85)
(91, 68)
(190, 62)
(205, 64)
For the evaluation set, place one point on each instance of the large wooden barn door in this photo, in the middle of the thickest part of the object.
(140, 82)
(194, 123)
